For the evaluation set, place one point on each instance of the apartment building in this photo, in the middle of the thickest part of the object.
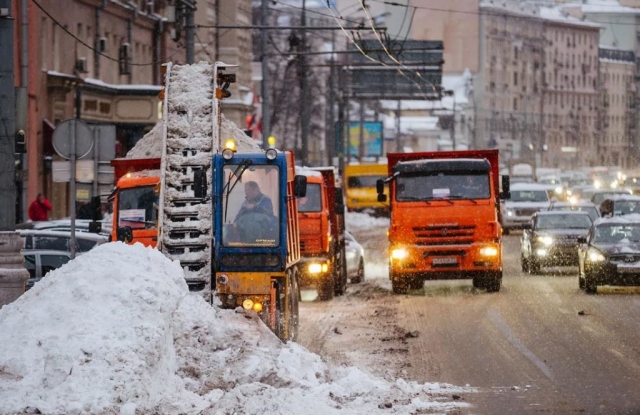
(570, 90)
(617, 113)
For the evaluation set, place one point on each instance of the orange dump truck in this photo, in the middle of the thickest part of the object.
(135, 200)
(322, 228)
(445, 218)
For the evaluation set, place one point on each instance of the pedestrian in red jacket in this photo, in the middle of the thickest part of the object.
(39, 208)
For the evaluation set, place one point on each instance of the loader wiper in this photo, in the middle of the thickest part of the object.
(228, 187)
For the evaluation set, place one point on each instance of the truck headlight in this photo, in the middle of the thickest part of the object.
(547, 240)
(399, 253)
(317, 268)
(594, 255)
(489, 251)
(509, 212)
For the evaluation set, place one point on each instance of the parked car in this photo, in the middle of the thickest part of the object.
(82, 225)
(40, 262)
(620, 205)
(580, 206)
(551, 239)
(610, 253)
(355, 259)
(60, 240)
(526, 199)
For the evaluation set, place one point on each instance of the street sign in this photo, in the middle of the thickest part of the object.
(62, 138)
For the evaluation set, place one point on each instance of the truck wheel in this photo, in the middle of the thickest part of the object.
(360, 276)
(340, 278)
(477, 282)
(590, 287)
(533, 267)
(505, 231)
(494, 282)
(294, 307)
(326, 288)
(399, 284)
(416, 283)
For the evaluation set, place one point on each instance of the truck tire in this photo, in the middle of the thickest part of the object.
(494, 282)
(294, 307)
(416, 283)
(399, 284)
(505, 231)
(326, 287)
(340, 277)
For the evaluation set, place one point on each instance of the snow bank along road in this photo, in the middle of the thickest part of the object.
(116, 332)
(540, 345)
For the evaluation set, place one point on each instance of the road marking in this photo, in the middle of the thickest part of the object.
(496, 318)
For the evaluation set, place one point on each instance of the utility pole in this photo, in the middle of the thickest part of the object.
(190, 27)
(304, 93)
(453, 124)
(266, 114)
(398, 133)
(13, 275)
(361, 147)
(339, 136)
(331, 144)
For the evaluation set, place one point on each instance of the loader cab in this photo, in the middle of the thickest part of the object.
(135, 208)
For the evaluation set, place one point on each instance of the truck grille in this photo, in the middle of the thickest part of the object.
(444, 235)
(310, 246)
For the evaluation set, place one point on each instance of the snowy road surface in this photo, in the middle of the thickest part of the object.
(540, 345)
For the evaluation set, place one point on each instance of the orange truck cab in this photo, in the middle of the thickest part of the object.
(135, 201)
(322, 228)
(445, 218)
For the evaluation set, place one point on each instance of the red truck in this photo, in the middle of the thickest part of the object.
(445, 218)
(322, 229)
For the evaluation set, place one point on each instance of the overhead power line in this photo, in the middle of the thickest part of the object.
(83, 42)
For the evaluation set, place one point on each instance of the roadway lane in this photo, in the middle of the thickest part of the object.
(540, 345)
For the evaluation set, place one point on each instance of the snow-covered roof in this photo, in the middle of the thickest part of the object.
(123, 87)
(409, 124)
(74, 344)
(602, 6)
(555, 14)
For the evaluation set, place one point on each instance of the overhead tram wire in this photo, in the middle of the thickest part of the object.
(504, 13)
(393, 58)
(367, 56)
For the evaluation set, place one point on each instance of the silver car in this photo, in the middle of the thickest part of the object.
(355, 259)
(40, 262)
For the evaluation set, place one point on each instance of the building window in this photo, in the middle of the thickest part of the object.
(515, 78)
(515, 104)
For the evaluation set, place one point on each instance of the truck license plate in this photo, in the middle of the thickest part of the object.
(445, 261)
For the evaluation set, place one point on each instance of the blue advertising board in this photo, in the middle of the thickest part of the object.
(372, 138)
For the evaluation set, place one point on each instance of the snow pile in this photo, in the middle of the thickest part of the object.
(244, 143)
(116, 331)
(149, 146)
(358, 220)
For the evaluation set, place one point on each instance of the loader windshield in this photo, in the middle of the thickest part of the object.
(250, 205)
(440, 185)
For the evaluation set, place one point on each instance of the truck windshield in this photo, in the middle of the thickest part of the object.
(136, 207)
(250, 205)
(442, 186)
(358, 182)
(312, 202)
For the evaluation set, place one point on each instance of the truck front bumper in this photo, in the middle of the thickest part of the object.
(445, 262)
(312, 271)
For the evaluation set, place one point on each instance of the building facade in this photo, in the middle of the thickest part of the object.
(618, 115)
(96, 60)
(570, 89)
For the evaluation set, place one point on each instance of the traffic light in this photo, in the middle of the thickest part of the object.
(271, 141)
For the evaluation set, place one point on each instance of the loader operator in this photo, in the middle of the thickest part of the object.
(255, 221)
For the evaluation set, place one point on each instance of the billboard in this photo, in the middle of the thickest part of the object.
(372, 133)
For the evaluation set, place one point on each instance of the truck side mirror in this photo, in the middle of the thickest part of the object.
(380, 186)
(124, 234)
(339, 201)
(300, 186)
(382, 197)
(200, 184)
(506, 188)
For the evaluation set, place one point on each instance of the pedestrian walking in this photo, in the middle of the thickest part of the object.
(39, 208)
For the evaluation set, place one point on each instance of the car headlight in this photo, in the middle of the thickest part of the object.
(558, 190)
(489, 251)
(547, 240)
(594, 255)
(509, 212)
(541, 252)
(399, 253)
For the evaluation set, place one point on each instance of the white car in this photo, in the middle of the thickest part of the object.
(40, 262)
(355, 259)
(526, 199)
(60, 240)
